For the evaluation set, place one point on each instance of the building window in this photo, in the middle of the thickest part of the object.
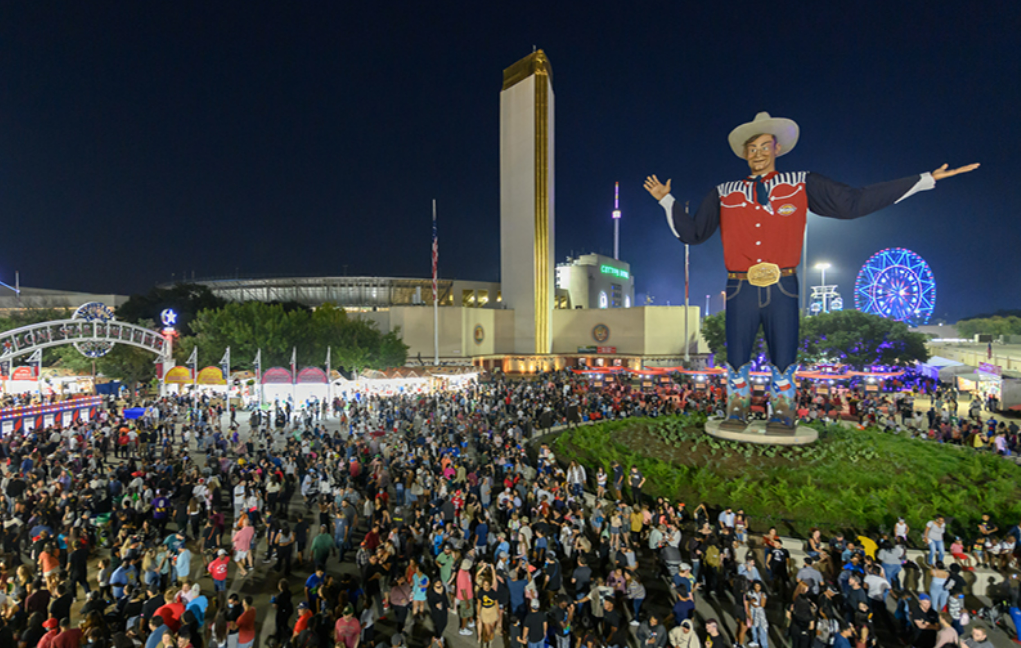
(483, 297)
(616, 300)
(602, 299)
(627, 301)
(467, 298)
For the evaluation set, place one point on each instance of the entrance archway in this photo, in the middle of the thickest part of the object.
(27, 339)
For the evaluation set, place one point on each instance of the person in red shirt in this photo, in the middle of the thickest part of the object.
(372, 539)
(304, 616)
(69, 637)
(347, 630)
(218, 570)
(246, 624)
(172, 611)
(52, 630)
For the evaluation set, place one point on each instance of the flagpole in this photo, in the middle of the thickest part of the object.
(329, 383)
(193, 361)
(436, 302)
(687, 339)
(294, 380)
(225, 370)
(258, 375)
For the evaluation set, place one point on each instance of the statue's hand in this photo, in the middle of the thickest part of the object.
(657, 188)
(943, 172)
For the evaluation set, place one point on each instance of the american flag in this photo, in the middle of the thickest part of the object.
(436, 252)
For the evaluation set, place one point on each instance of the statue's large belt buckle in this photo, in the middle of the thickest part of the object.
(763, 274)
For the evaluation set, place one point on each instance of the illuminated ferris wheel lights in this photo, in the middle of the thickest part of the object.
(898, 284)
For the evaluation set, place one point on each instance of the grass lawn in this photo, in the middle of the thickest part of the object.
(850, 480)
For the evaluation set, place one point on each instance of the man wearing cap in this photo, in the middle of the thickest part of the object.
(535, 627)
(762, 223)
(52, 627)
(396, 641)
(304, 616)
(217, 569)
(924, 623)
(347, 630)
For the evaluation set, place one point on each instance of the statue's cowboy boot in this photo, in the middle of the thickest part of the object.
(739, 398)
(783, 401)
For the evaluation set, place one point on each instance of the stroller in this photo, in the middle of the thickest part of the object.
(670, 557)
(1003, 606)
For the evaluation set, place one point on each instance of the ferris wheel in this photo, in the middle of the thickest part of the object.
(898, 284)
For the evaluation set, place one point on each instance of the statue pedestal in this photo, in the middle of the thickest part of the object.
(756, 433)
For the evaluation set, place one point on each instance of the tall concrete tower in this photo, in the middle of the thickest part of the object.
(526, 201)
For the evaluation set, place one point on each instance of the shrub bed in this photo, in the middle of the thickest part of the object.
(851, 480)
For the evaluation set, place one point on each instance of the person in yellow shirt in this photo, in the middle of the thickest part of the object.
(637, 523)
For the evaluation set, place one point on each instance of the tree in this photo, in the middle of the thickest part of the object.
(995, 326)
(276, 330)
(185, 299)
(68, 357)
(846, 337)
(29, 316)
(859, 340)
(129, 364)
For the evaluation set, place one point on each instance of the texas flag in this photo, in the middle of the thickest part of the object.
(738, 383)
(782, 385)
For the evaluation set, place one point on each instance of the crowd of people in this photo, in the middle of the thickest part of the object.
(405, 519)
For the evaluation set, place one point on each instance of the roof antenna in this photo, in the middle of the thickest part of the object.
(533, 49)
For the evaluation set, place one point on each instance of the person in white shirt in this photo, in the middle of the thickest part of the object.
(934, 530)
(877, 587)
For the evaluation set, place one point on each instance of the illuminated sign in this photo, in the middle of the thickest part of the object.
(616, 272)
(168, 317)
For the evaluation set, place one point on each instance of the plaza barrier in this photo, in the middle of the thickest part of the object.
(24, 419)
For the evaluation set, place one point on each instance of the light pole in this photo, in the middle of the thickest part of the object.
(822, 267)
(723, 297)
(616, 221)
(707, 298)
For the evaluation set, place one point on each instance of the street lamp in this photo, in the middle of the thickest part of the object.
(723, 296)
(822, 267)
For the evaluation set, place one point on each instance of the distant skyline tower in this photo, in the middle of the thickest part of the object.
(616, 221)
(527, 265)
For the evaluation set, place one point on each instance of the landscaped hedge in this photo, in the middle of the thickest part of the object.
(850, 480)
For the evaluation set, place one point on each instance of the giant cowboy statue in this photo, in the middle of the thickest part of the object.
(762, 221)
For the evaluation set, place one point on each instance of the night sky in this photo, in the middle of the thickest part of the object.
(141, 141)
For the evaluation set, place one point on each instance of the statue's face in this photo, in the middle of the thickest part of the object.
(761, 152)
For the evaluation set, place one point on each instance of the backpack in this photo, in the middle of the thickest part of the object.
(712, 556)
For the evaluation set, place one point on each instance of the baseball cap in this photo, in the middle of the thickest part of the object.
(535, 604)
(221, 552)
(924, 597)
(303, 605)
(51, 623)
(397, 639)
